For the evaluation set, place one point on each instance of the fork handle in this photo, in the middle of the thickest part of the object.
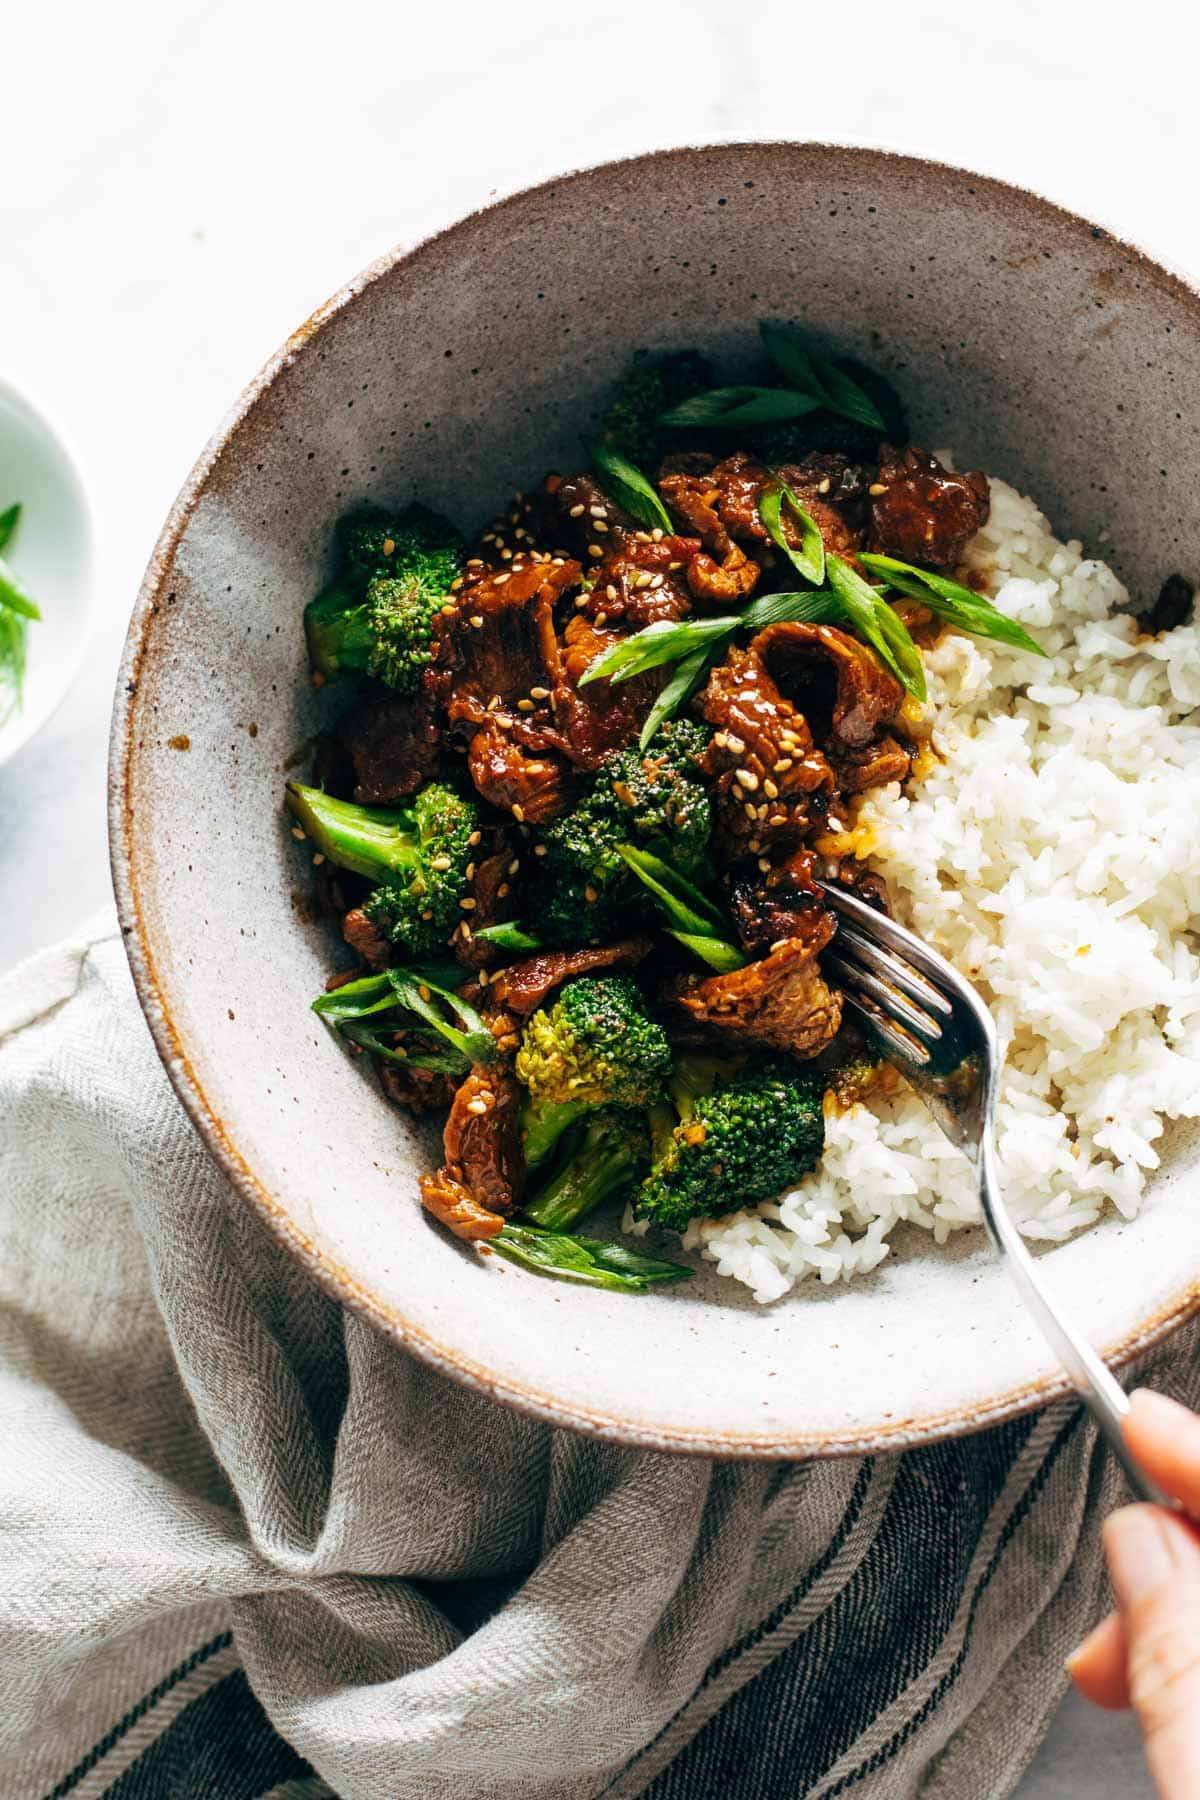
(1095, 1383)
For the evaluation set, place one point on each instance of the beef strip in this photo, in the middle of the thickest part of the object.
(416, 1090)
(366, 939)
(524, 986)
(782, 1001)
(924, 514)
(871, 765)
(393, 746)
(641, 580)
(493, 891)
(484, 1171)
(595, 720)
(498, 642)
(771, 780)
(534, 788)
(721, 573)
(803, 657)
(832, 490)
(784, 902)
(565, 510)
(1173, 606)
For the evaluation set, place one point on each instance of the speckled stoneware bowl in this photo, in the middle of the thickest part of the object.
(1035, 343)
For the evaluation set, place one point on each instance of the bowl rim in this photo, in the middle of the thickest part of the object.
(339, 1282)
(16, 734)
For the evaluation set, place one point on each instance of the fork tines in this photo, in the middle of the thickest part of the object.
(900, 1003)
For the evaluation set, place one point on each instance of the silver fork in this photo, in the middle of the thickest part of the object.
(937, 1031)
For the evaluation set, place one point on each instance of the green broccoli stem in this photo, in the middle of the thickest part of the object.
(543, 1123)
(370, 840)
(604, 1163)
(339, 631)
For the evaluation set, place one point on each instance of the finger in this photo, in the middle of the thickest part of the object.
(1165, 1439)
(1098, 1666)
(1154, 1560)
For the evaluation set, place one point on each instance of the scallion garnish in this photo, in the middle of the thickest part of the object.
(813, 373)
(630, 489)
(874, 620)
(730, 406)
(809, 558)
(951, 601)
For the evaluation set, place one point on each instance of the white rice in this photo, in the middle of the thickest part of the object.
(1053, 855)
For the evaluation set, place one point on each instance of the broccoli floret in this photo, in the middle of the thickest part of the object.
(417, 854)
(651, 385)
(610, 1154)
(595, 1046)
(736, 1138)
(376, 616)
(653, 799)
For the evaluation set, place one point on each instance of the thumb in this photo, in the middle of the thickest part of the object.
(1154, 1560)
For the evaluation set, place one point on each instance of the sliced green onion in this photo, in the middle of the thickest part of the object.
(951, 601)
(787, 609)
(731, 406)
(14, 596)
(592, 1261)
(819, 375)
(510, 936)
(887, 637)
(809, 559)
(8, 522)
(719, 955)
(681, 899)
(631, 490)
(688, 676)
(664, 641)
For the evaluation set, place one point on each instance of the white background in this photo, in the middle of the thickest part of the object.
(183, 183)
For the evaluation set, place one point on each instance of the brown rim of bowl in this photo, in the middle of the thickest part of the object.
(895, 1434)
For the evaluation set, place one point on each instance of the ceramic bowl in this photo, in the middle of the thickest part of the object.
(51, 552)
(1036, 344)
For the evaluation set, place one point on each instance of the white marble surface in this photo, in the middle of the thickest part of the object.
(184, 182)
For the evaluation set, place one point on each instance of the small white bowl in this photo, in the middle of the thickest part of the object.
(51, 551)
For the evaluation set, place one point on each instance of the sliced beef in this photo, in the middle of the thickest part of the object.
(782, 1001)
(832, 490)
(841, 685)
(923, 513)
(484, 1170)
(453, 1203)
(771, 779)
(493, 887)
(871, 765)
(366, 939)
(642, 579)
(499, 641)
(721, 574)
(416, 1090)
(525, 986)
(595, 720)
(393, 746)
(780, 903)
(533, 787)
(573, 512)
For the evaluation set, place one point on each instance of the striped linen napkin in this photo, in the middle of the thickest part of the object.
(249, 1548)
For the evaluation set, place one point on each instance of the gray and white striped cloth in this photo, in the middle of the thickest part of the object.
(251, 1549)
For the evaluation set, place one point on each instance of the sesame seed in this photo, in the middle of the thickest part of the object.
(518, 535)
(476, 837)
(656, 536)
(318, 859)
(477, 621)
(784, 762)
(478, 1107)
(389, 546)
(602, 618)
(589, 893)
(465, 931)
(780, 944)
(656, 581)
(764, 863)
(449, 611)
(823, 487)
(428, 913)
(518, 813)
(484, 977)
(556, 562)
(425, 993)
(721, 739)
(499, 582)
(493, 703)
(877, 487)
(771, 789)
(595, 550)
(467, 904)
(524, 705)
(598, 512)
(751, 811)
(503, 891)
(474, 562)
(610, 592)
(489, 537)
(581, 602)
(734, 743)
(513, 866)
(470, 870)
(599, 525)
(577, 512)
(440, 862)
(539, 693)
(644, 578)
(456, 584)
(506, 555)
(763, 811)
(641, 537)
(674, 565)
(777, 819)
(514, 518)
(298, 834)
(539, 849)
(755, 843)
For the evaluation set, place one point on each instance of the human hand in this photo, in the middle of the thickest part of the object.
(1147, 1653)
